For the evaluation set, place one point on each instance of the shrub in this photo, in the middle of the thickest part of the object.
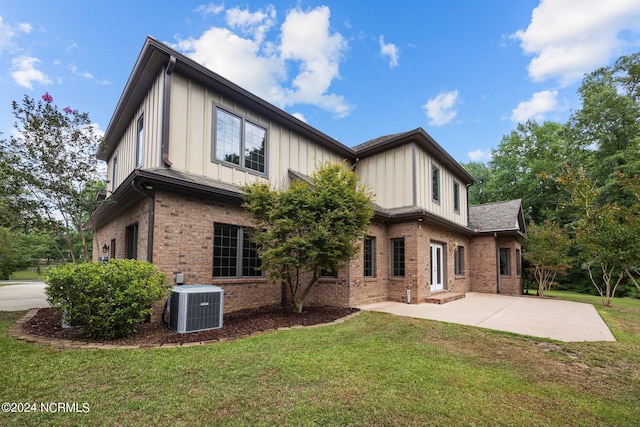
(105, 300)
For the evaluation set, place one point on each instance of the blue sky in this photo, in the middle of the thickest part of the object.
(465, 71)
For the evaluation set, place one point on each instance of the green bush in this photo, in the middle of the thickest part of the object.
(105, 300)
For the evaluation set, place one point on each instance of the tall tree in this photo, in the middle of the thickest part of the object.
(51, 159)
(524, 164)
(546, 248)
(310, 227)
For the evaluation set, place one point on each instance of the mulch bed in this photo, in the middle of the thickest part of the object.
(47, 323)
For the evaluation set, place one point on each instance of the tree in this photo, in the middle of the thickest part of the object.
(51, 159)
(607, 234)
(546, 248)
(310, 227)
(482, 174)
(524, 164)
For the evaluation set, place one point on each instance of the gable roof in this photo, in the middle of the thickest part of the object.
(497, 217)
(156, 57)
(423, 139)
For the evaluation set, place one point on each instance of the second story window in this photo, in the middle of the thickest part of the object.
(140, 142)
(114, 173)
(239, 141)
(456, 197)
(435, 183)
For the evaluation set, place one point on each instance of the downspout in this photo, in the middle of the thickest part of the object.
(166, 110)
(148, 192)
(495, 236)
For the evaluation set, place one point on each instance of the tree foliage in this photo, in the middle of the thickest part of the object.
(310, 227)
(546, 248)
(50, 167)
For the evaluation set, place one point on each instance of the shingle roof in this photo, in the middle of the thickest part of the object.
(500, 216)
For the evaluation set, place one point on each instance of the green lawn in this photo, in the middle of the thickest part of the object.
(374, 369)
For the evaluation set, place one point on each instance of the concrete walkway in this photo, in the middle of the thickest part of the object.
(546, 318)
(16, 296)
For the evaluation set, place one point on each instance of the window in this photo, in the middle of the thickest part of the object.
(234, 254)
(328, 273)
(112, 249)
(239, 141)
(435, 183)
(518, 263)
(369, 257)
(456, 197)
(114, 173)
(505, 262)
(131, 242)
(140, 142)
(459, 261)
(397, 257)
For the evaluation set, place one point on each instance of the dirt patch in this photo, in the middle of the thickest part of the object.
(47, 323)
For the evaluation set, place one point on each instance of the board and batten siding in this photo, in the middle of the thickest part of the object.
(151, 110)
(191, 139)
(445, 207)
(389, 174)
(401, 177)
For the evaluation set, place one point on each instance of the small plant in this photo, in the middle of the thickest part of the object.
(105, 300)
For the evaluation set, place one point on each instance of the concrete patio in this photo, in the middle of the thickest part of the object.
(527, 315)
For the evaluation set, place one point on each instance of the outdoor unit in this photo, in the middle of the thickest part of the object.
(195, 308)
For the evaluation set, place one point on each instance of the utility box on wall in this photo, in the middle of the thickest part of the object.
(194, 308)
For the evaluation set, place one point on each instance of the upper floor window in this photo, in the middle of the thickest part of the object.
(456, 197)
(140, 142)
(114, 173)
(239, 141)
(435, 183)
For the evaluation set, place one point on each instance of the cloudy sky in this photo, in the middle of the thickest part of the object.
(465, 71)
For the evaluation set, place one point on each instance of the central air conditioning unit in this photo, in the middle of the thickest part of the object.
(195, 308)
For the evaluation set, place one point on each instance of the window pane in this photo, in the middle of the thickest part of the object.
(225, 250)
(254, 143)
(456, 197)
(250, 260)
(505, 268)
(435, 183)
(459, 261)
(369, 256)
(228, 137)
(398, 257)
(140, 145)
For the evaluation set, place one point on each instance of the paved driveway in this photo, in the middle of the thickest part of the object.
(22, 296)
(547, 318)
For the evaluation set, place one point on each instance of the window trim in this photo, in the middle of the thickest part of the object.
(435, 183)
(393, 257)
(140, 141)
(456, 197)
(372, 255)
(244, 120)
(458, 263)
(507, 269)
(239, 255)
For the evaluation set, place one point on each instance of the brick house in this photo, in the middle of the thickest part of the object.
(182, 141)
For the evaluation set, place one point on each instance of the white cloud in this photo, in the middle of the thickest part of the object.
(8, 33)
(299, 116)
(569, 38)
(25, 73)
(479, 155)
(441, 109)
(209, 9)
(535, 108)
(389, 50)
(85, 74)
(243, 54)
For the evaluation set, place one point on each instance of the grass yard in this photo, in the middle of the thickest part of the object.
(374, 369)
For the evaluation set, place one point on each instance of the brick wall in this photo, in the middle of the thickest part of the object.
(482, 264)
(115, 230)
(511, 284)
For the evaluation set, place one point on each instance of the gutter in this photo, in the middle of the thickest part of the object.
(148, 192)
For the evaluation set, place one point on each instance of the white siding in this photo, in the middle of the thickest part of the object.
(191, 139)
(389, 174)
(445, 207)
(151, 108)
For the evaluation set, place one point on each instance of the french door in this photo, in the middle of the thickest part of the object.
(437, 266)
